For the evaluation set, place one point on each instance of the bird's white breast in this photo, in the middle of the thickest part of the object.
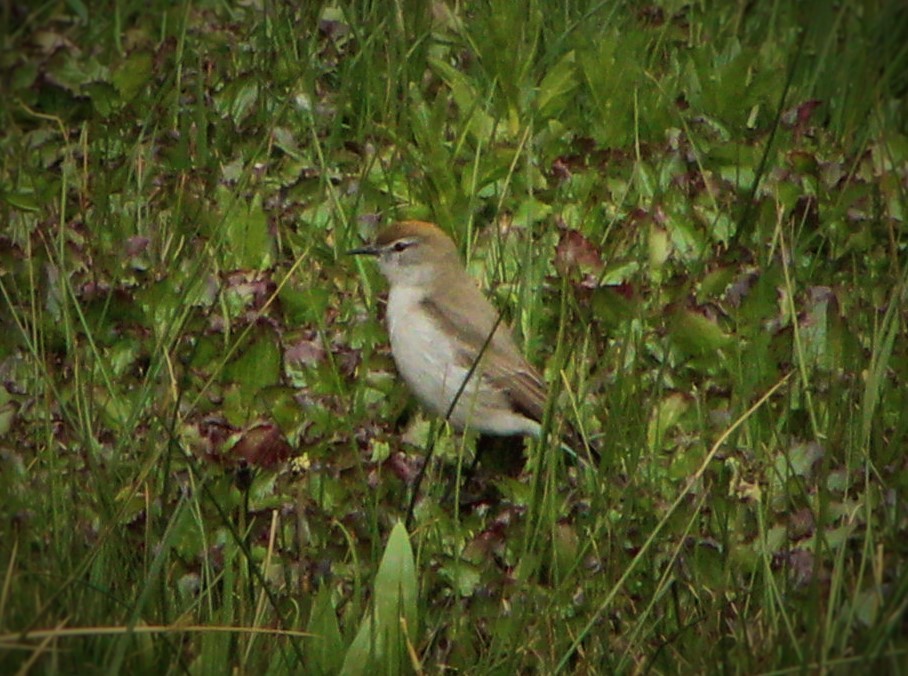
(425, 355)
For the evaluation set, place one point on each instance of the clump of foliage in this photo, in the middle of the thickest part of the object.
(693, 216)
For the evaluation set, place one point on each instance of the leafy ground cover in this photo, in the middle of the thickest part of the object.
(693, 214)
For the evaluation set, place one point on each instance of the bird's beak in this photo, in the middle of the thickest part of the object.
(370, 250)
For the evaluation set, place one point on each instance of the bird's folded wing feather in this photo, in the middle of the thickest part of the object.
(502, 363)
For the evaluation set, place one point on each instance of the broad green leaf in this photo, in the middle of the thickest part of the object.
(105, 98)
(395, 583)
(463, 577)
(381, 642)
(611, 307)
(132, 75)
(72, 73)
(713, 285)
(698, 335)
(664, 416)
(249, 244)
(556, 85)
(659, 248)
(467, 99)
(7, 412)
(238, 98)
(24, 201)
(612, 77)
(326, 646)
(531, 211)
(257, 366)
(304, 304)
(687, 237)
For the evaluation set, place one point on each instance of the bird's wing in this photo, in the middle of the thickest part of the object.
(502, 362)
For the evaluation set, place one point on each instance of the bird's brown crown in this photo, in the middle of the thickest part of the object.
(422, 230)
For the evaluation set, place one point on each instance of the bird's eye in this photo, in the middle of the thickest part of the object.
(400, 246)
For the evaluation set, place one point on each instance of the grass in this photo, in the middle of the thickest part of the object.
(691, 215)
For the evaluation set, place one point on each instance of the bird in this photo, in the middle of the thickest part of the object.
(444, 331)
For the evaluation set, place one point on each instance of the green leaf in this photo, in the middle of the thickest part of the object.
(462, 577)
(556, 85)
(395, 583)
(697, 335)
(612, 77)
(24, 201)
(249, 244)
(132, 75)
(687, 238)
(381, 642)
(258, 366)
(72, 73)
(238, 98)
(7, 412)
(480, 123)
(326, 647)
(713, 285)
(611, 307)
(665, 416)
(104, 97)
(23, 76)
(303, 304)
(381, 451)
(531, 210)
(659, 248)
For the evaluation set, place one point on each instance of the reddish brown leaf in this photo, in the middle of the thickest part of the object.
(306, 352)
(560, 169)
(574, 251)
(263, 446)
(404, 467)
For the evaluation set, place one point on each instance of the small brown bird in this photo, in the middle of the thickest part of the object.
(441, 328)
